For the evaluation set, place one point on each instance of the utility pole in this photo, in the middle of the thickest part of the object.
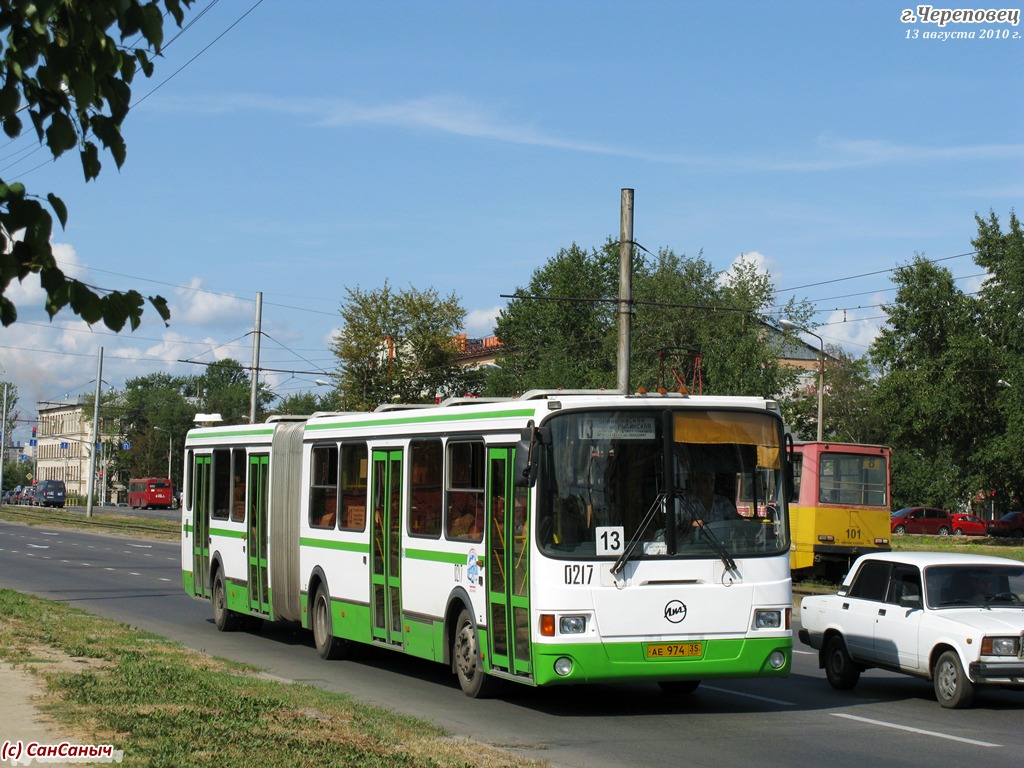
(255, 359)
(95, 436)
(625, 288)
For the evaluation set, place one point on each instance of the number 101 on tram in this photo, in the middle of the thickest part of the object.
(553, 538)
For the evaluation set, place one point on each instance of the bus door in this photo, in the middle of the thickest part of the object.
(508, 562)
(259, 584)
(201, 489)
(386, 546)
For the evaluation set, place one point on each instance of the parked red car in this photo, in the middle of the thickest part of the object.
(935, 522)
(1011, 524)
(968, 525)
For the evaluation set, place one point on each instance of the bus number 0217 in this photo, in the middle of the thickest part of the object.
(579, 574)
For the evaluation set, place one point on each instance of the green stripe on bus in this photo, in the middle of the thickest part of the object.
(229, 534)
(432, 418)
(346, 546)
(431, 556)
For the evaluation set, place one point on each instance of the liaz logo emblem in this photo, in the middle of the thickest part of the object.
(675, 611)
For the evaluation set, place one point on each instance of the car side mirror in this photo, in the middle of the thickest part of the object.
(911, 601)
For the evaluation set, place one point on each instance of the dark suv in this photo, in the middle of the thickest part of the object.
(935, 522)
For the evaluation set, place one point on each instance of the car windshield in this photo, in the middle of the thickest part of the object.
(664, 483)
(950, 586)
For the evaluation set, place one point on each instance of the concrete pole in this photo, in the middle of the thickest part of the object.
(95, 436)
(625, 288)
(255, 359)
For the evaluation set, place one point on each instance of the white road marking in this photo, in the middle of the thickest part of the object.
(749, 696)
(936, 734)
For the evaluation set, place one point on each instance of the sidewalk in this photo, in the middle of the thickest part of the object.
(20, 720)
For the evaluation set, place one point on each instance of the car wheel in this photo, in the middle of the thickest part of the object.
(900, 529)
(1017, 534)
(224, 618)
(327, 645)
(842, 671)
(943, 531)
(952, 688)
(466, 661)
(958, 532)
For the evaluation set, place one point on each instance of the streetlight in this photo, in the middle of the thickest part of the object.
(789, 325)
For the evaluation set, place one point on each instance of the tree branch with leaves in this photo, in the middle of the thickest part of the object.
(64, 68)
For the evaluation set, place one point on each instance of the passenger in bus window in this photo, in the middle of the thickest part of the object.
(702, 504)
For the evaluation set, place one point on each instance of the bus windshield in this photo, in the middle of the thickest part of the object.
(663, 483)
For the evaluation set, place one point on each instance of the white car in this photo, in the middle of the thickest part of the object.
(957, 620)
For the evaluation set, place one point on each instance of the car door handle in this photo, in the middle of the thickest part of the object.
(881, 611)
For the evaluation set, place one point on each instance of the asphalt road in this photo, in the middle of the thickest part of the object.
(887, 720)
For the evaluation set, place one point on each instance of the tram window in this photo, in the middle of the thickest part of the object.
(323, 490)
(353, 487)
(426, 488)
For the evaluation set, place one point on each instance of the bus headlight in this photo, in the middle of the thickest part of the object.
(777, 659)
(767, 618)
(572, 625)
(563, 665)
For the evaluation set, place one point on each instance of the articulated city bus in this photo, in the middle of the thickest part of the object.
(548, 539)
(840, 506)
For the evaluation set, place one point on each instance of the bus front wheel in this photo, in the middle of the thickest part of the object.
(466, 661)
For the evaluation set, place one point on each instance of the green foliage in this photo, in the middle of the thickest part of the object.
(942, 355)
(683, 310)
(398, 346)
(61, 65)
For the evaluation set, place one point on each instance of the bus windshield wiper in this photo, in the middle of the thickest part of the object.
(619, 564)
(717, 545)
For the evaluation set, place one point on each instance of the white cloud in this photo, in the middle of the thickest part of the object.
(480, 322)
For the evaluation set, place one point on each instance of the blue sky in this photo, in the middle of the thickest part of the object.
(301, 148)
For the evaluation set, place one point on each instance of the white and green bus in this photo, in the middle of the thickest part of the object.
(549, 539)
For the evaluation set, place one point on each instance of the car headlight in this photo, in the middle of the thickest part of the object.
(768, 619)
(1000, 646)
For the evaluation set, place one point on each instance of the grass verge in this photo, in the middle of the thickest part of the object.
(166, 705)
(102, 521)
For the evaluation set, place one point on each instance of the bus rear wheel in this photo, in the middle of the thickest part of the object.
(327, 645)
(466, 661)
(224, 618)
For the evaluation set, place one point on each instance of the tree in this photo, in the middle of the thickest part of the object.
(303, 403)
(398, 346)
(226, 388)
(1000, 376)
(849, 416)
(61, 64)
(568, 336)
(936, 407)
(152, 414)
